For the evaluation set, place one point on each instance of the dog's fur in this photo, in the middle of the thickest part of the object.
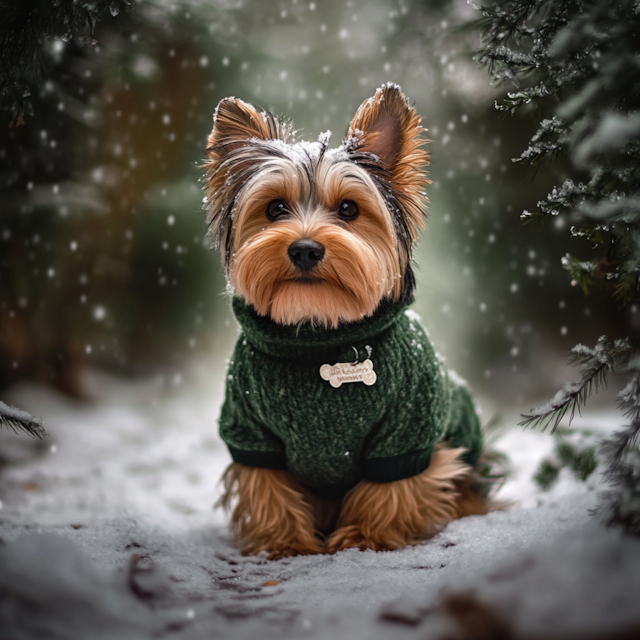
(253, 161)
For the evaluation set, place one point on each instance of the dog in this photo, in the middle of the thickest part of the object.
(344, 426)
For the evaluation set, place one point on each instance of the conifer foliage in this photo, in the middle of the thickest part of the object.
(578, 63)
(19, 420)
(25, 28)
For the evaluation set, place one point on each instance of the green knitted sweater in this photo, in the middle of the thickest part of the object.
(280, 413)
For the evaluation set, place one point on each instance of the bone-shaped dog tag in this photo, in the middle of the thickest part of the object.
(343, 372)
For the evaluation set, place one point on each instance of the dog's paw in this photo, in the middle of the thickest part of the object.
(284, 549)
(350, 537)
(288, 551)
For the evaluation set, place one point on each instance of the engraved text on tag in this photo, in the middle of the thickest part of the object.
(343, 372)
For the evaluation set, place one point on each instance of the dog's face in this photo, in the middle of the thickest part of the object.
(312, 234)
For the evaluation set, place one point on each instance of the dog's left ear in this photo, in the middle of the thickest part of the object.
(387, 127)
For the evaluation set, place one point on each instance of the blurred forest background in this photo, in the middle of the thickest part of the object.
(103, 261)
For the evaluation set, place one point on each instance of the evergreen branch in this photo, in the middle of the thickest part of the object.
(629, 397)
(549, 139)
(562, 198)
(19, 420)
(581, 272)
(25, 27)
(541, 217)
(622, 460)
(515, 61)
(616, 446)
(627, 287)
(569, 399)
(621, 507)
(597, 364)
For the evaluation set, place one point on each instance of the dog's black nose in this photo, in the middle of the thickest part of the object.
(305, 254)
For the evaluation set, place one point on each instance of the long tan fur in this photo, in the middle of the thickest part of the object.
(379, 515)
(275, 515)
(271, 515)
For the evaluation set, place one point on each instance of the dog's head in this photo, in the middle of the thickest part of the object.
(313, 234)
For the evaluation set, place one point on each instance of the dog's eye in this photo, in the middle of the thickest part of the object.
(347, 210)
(276, 209)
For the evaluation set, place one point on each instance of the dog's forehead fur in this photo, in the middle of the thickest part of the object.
(307, 156)
(305, 163)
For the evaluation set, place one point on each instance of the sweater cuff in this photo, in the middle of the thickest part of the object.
(265, 459)
(395, 468)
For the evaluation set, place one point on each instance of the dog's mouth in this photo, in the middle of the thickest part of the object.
(307, 280)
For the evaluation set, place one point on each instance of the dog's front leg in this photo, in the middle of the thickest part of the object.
(390, 515)
(271, 515)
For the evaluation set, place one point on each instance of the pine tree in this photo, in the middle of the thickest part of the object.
(578, 63)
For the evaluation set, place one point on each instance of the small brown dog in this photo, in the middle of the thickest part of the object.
(344, 426)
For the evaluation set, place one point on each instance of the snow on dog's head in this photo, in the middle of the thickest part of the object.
(313, 234)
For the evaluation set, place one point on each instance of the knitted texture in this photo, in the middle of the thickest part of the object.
(279, 413)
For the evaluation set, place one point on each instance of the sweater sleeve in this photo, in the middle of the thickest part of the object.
(463, 427)
(249, 441)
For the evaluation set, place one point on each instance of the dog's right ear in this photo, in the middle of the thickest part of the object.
(235, 123)
(233, 154)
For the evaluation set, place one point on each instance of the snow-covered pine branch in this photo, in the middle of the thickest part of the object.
(19, 420)
(570, 398)
(597, 363)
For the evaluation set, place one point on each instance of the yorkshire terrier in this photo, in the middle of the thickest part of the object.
(344, 426)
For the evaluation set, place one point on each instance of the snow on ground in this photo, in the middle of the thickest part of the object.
(110, 533)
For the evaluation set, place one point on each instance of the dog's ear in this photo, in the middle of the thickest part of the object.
(233, 156)
(235, 123)
(389, 128)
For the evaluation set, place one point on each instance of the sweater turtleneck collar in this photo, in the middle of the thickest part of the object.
(309, 343)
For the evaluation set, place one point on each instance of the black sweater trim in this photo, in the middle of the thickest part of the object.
(395, 468)
(389, 469)
(265, 459)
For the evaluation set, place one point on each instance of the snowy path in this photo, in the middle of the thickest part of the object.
(138, 552)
